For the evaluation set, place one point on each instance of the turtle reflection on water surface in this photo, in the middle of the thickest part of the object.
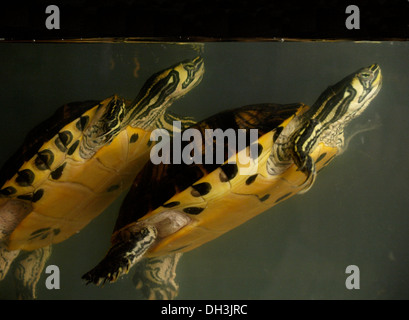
(174, 208)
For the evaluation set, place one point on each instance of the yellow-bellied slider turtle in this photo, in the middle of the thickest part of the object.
(174, 208)
(73, 165)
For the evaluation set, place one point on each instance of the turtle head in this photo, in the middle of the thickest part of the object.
(334, 109)
(188, 74)
(161, 89)
(348, 98)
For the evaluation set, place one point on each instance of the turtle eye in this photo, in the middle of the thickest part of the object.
(365, 75)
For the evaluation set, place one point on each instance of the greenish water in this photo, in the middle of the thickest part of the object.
(355, 214)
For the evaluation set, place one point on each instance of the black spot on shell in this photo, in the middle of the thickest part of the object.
(201, 189)
(57, 173)
(38, 231)
(277, 133)
(43, 233)
(322, 156)
(32, 197)
(171, 204)
(59, 144)
(28, 197)
(113, 188)
(283, 197)
(38, 195)
(44, 159)
(25, 177)
(134, 138)
(193, 210)
(182, 247)
(230, 170)
(82, 123)
(74, 146)
(65, 137)
(251, 179)
(260, 149)
(8, 191)
(264, 198)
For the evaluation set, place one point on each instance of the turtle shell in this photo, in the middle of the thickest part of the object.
(216, 197)
(47, 171)
(50, 190)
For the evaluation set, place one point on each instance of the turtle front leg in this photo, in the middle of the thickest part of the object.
(122, 256)
(155, 277)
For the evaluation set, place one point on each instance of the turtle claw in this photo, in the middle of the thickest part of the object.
(109, 270)
(121, 257)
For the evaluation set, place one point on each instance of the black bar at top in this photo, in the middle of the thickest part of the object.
(206, 19)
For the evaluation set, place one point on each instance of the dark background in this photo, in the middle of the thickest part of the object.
(205, 19)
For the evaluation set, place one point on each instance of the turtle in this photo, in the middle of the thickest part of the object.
(74, 164)
(173, 208)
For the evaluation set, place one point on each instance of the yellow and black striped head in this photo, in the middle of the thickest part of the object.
(333, 110)
(161, 90)
(337, 106)
(348, 98)
(148, 108)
